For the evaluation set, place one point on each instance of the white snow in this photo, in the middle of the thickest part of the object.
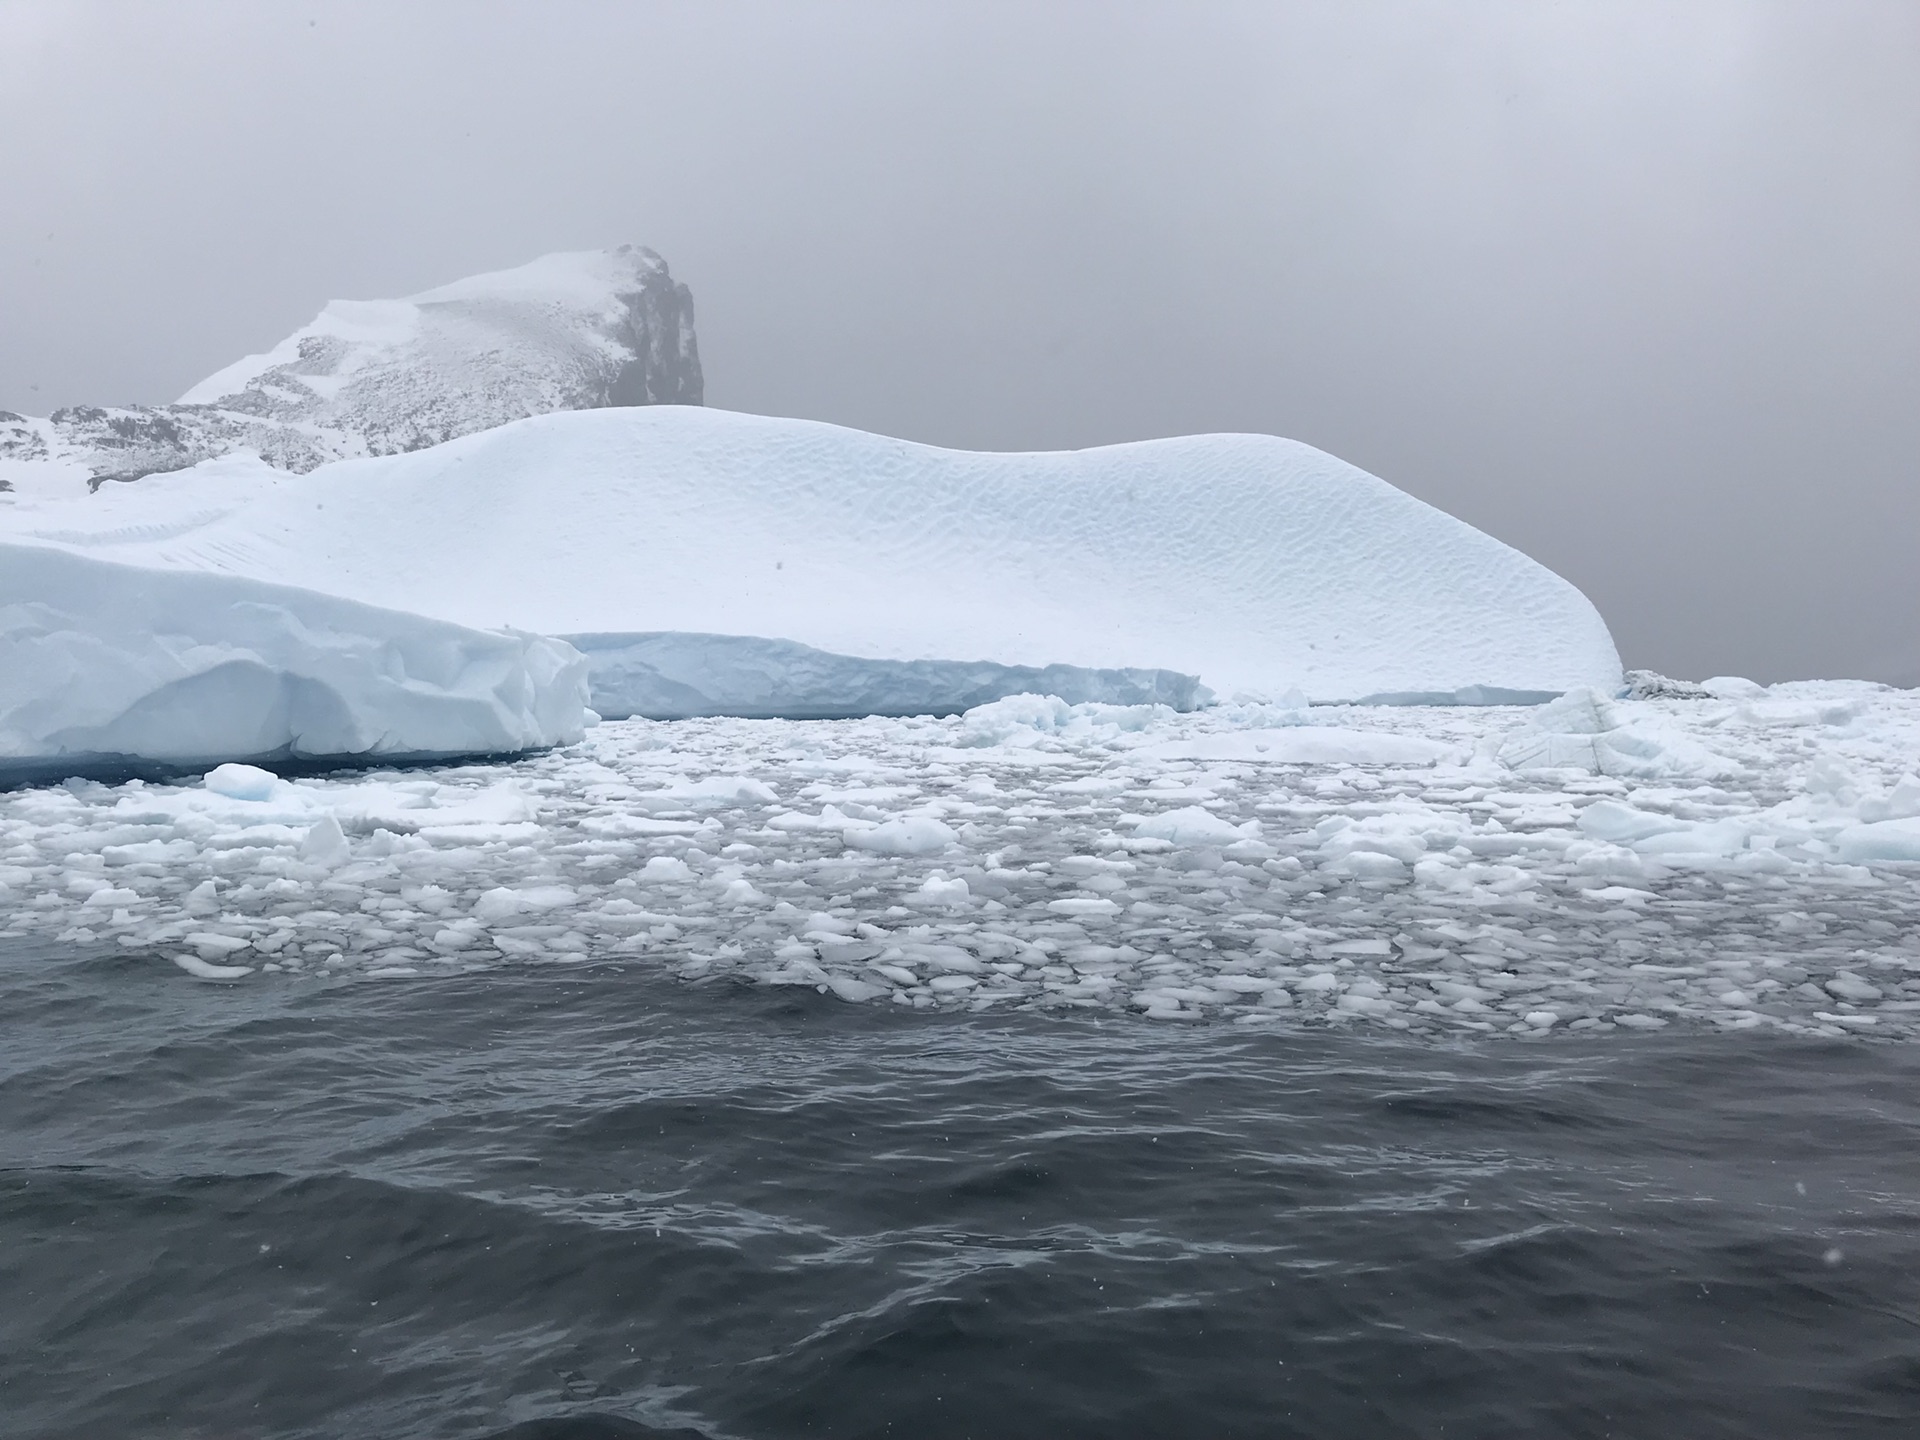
(102, 663)
(1091, 868)
(1260, 565)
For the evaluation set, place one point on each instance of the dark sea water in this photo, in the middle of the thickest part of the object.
(593, 1203)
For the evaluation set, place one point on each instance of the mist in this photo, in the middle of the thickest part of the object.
(1632, 287)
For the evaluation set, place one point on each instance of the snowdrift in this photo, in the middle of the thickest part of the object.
(107, 667)
(1258, 564)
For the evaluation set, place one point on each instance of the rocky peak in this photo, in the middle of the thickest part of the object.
(376, 377)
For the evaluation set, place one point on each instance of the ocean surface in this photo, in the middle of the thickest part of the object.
(595, 1202)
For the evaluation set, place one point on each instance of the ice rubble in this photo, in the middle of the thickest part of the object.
(376, 377)
(1260, 565)
(104, 665)
(1086, 857)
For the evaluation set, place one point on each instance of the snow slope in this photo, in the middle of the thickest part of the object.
(379, 377)
(105, 665)
(1257, 564)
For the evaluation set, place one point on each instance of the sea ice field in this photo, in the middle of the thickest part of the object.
(1741, 861)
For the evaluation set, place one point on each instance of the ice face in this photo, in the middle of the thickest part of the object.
(103, 663)
(672, 676)
(1259, 565)
(1129, 860)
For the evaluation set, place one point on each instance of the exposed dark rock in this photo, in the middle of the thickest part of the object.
(567, 332)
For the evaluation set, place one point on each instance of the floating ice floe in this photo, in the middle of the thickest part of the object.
(1584, 730)
(105, 665)
(882, 862)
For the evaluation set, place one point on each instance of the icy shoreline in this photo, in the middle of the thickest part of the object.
(1375, 866)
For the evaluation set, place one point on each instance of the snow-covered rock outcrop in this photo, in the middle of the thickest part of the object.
(105, 667)
(1258, 564)
(380, 377)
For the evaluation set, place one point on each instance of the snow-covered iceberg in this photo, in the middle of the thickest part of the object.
(107, 667)
(1259, 565)
(377, 377)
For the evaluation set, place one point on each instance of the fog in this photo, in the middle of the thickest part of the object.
(1634, 287)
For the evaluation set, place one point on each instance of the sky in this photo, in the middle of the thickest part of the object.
(1634, 287)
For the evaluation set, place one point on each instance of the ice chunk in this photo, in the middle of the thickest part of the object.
(716, 792)
(939, 890)
(205, 970)
(325, 843)
(103, 664)
(1610, 820)
(1192, 825)
(1847, 986)
(503, 902)
(1022, 720)
(1902, 802)
(241, 782)
(1578, 712)
(1880, 840)
(910, 835)
(670, 868)
(1733, 687)
(1583, 730)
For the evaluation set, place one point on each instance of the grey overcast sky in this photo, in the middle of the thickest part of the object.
(1633, 286)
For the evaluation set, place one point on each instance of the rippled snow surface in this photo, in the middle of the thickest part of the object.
(1377, 867)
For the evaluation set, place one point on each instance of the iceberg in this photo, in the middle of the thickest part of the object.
(116, 669)
(1261, 566)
